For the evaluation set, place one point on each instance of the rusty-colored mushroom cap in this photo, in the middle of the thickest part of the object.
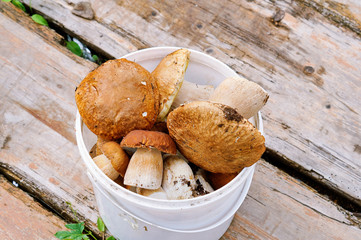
(218, 180)
(118, 157)
(146, 139)
(116, 98)
(215, 137)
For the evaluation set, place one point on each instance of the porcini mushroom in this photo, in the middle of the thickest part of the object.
(245, 96)
(105, 165)
(169, 75)
(116, 98)
(114, 161)
(158, 193)
(117, 156)
(178, 180)
(202, 186)
(145, 168)
(215, 137)
(218, 180)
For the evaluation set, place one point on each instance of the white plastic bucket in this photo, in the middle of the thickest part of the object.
(125, 225)
(203, 217)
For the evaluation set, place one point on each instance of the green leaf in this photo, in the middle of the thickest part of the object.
(95, 58)
(74, 48)
(63, 234)
(79, 237)
(70, 235)
(100, 224)
(39, 19)
(111, 238)
(18, 4)
(75, 227)
(6, 0)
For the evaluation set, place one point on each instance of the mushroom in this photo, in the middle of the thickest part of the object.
(215, 137)
(105, 165)
(152, 193)
(169, 75)
(178, 179)
(241, 94)
(93, 151)
(218, 180)
(145, 168)
(114, 161)
(202, 186)
(96, 149)
(190, 92)
(99, 144)
(116, 98)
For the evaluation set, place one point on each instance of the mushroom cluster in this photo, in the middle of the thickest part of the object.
(163, 137)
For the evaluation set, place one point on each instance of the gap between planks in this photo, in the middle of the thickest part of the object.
(51, 202)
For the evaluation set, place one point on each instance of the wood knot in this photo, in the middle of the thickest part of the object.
(308, 70)
(84, 10)
(277, 18)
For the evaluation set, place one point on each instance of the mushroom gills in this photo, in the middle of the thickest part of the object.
(145, 169)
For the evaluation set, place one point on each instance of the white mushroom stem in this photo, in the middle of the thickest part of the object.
(145, 169)
(106, 166)
(152, 193)
(192, 92)
(202, 186)
(245, 96)
(178, 179)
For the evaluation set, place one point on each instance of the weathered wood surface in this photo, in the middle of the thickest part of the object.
(37, 110)
(23, 218)
(38, 149)
(280, 207)
(309, 63)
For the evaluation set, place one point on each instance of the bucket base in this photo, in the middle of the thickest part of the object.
(124, 225)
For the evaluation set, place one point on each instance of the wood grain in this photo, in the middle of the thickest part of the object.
(37, 148)
(37, 115)
(22, 218)
(298, 214)
(308, 62)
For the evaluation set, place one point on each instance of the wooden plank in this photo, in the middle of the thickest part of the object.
(43, 158)
(345, 13)
(37, 115)
(300, 62)
(280, 207)
(22, 218)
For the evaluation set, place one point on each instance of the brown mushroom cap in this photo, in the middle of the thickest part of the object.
(146, 139)
(118, 157)
(116, 98)
(169, 75)
(215, 137)
(218, 180)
